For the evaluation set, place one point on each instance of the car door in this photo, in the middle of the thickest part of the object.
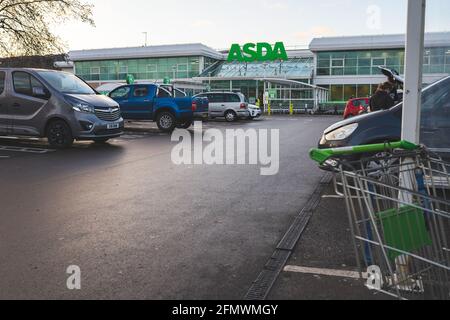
(5, 115)
(435, 131)
(28, 98)
(232, 102)
(121, 96)
(216, 104)
(141, 102)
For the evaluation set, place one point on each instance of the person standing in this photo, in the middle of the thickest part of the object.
(382, 99)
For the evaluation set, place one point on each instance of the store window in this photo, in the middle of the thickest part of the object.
(336, 93)
(364, 91)
(95, 73)
(349, 92)
(152, 68)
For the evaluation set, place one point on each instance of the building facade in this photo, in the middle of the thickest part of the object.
(333, 69)
(156, 63)
(348, 66)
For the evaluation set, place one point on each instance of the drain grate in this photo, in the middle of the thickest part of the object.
(266, 279)
(262, 286)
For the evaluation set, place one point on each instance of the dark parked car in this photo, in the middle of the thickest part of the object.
(385, 126)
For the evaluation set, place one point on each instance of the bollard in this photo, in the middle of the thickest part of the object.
(269, 109)
(291, 109)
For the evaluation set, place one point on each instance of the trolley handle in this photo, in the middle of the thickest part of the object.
(322, 155)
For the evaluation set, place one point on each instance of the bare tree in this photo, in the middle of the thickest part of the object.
(25, 24)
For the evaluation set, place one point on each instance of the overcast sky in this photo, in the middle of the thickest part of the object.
(219, 23)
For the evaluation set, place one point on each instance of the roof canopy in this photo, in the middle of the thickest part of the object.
(177, 50)
(299, 68)
(393, 41)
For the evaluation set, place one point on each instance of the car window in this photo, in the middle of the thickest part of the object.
(437, 96)
(162, 93)
(216, 98)
(179, 94)
(364, 103)
(232, 98)
(140, 91)
(67, 83)
(120, 93)
(24, 83)
(2, 81)
(356, 103)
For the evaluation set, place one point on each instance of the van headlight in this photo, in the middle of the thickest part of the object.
(80, 106)
(342, 133)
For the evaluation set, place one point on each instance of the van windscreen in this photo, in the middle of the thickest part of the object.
(66, 82)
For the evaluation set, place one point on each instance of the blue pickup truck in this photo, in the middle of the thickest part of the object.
(165, 105)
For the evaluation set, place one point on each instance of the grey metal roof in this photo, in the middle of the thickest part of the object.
(177, 50)
(393, 41)
(296, 68)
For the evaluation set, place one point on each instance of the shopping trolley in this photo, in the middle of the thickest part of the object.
(399, 212)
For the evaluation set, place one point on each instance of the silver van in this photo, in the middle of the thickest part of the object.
(229, 105)
(56, 105)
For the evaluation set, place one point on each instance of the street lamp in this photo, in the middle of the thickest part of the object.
(146, 38)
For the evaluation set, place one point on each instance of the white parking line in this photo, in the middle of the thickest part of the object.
(18, 138)
(324, 272)
(25, 150)
(332, 197)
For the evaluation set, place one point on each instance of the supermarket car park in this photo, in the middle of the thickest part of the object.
(106, 209)
(140, 226)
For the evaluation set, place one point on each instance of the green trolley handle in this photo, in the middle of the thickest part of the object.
(322, 155)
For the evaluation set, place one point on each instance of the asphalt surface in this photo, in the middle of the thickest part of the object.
(140, 227)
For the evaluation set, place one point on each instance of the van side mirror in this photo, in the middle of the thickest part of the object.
(41, 93)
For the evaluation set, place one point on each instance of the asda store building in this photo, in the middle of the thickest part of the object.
(331, 69)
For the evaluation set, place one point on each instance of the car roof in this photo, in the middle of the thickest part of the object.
(27, 69)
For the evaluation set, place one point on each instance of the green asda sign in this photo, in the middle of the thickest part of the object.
(257, 52)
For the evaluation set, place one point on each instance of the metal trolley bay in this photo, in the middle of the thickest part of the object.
(397, 198)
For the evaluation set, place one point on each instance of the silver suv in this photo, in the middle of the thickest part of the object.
(56, 105)
(229, 105)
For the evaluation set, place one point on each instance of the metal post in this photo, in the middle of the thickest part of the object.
(146, 38)
(415, 36)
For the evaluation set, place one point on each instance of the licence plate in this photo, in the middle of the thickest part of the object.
(112, 126)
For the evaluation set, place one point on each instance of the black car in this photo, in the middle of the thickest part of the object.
(385, 126)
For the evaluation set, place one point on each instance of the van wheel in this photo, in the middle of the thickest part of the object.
(166, 121)
(59, 135)
(230, 116)
(185, 125)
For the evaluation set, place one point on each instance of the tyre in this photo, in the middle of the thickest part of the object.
(166, 121)
(101, 140)
(185, 125)
(230, 116)
(59, 134)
